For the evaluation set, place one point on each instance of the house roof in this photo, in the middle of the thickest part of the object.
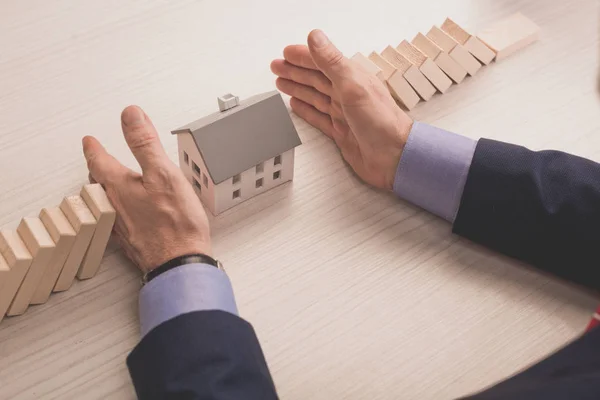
(235, 140)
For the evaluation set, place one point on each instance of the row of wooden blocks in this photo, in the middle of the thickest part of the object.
(45, 253)
(432, 62)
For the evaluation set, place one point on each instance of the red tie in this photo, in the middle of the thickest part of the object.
(595, 321)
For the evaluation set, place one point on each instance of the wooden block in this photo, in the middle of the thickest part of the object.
(4, 273)
(440, 57)
(41, 246)
(473, 45)
(425, 65)
(63, 234)
(510, 35)
(97, 201)
(83, 222)
(397, 84)
(368, 66)
(410, 72)
(386, 68)
(454, 50)
(19, 260)
(402, 91)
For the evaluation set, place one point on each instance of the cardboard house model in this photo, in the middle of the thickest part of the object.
(239, 152)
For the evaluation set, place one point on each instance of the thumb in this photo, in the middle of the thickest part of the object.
(327, 57)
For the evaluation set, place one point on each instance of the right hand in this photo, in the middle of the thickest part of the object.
(351, 106)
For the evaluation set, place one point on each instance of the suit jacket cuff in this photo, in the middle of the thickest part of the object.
(185, 289)
(433, 169)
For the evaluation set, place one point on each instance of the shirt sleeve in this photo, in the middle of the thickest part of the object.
(433, 169)
(188, 288)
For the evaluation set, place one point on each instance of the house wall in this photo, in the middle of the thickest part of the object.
(247, 185)
(206, 194)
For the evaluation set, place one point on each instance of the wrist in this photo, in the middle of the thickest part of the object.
(194, 258)
(403, 130)
(150, 260)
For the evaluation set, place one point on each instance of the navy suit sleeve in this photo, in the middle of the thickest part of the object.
(201, 355)
(539, 207)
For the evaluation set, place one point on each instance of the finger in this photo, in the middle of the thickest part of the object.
(299, 55)
(103, 167)
(328, 58)
(309, 77)
(305, 93)
(313, 116)
(142, 139)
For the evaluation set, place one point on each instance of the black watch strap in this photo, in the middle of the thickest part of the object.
(178, 261)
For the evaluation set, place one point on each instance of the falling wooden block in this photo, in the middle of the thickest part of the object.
(473, 45)
(425, 65)
(440, 57)
(83, 222)
(510, 35)
(19, 260)
(97, 201)
(41, 246)
(368, 66)
(410, 72)
(454, 49)
(63, 234)
(397, 85)
(4, 272)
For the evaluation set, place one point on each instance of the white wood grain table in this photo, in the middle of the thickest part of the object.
(353, 293)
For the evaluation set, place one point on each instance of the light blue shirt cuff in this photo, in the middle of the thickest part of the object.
(188, 288)
(433, 169)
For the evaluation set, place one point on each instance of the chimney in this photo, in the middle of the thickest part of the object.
(228, 101)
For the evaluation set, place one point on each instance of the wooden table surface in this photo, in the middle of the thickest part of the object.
(353, 293)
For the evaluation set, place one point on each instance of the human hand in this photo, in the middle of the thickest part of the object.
(352, 107)
(159, 216)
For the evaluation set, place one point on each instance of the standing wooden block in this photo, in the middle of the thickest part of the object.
(443, 60)
(83, 222)
(63, 234)
(510, 35)
(425, 65)
(97, 201)
(410, 72)
(368, 66)
(19, 260)
(41, 246)
(397, 85)
(473, 45)
(454, 49)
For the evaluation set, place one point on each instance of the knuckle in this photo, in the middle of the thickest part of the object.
(140, 138)
(161, 179)
(334, 58)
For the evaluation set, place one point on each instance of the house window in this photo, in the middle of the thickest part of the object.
(196, 168)
(277, 160)
(259, 183)
(276, 175)
(186, 158)
(260, 168)
(205, 180)
(197, 185)
(237, 194)
(237, 178)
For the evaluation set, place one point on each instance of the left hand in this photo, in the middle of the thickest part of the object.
(159, 216)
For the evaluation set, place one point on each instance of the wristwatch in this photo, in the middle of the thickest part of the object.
(179, 261)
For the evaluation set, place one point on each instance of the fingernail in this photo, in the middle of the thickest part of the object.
(319, 39)
(133, 116)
